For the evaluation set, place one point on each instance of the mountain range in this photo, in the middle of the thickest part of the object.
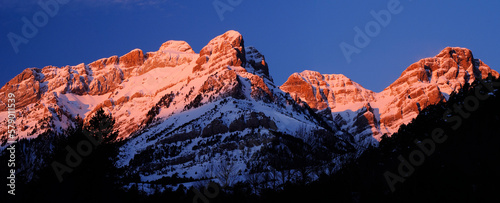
(182, 112)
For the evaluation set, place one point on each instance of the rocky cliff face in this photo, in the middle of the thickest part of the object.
(130, 85)
(321, 91)
(178, 110)
(429, 81)
(363, 112)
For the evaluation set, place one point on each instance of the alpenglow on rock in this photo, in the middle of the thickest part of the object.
(364, 113)
(179, 111)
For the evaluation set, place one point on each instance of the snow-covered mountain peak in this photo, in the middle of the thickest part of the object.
(177, 46)
(135, 87)
(427, 82)
(234, 38)
(326, 79)
(450, 69)
(321, 91)
(256, 63)
(224, 50)
(363, 112)
(223, 43)
(455, 52)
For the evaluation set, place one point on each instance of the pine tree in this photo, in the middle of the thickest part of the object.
(98, 172)
(101, 126)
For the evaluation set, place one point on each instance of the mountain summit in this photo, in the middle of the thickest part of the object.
(177, 111)
(364, 113)
(130, 85)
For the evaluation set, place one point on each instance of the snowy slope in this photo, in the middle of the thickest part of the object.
(184, 112)
(236, 111)
(366, 114)
(178, 111)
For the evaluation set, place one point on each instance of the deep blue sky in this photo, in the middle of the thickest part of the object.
(293, 35)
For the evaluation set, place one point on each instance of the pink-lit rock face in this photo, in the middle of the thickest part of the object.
(430, 81)
(222, 51)
(321, 91)
(133, 58)
(129, 86)
(423, 83)
(26, 87)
